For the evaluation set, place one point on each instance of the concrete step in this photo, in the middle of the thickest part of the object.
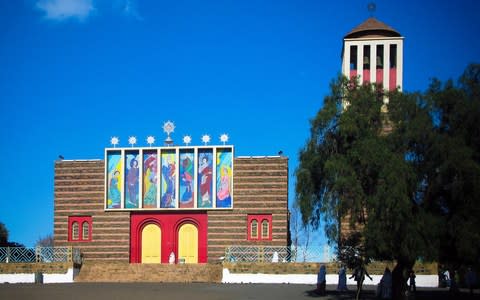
(125, 272)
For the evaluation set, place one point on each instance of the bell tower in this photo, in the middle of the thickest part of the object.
(373, 51)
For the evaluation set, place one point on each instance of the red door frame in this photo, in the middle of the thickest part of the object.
(169, 224)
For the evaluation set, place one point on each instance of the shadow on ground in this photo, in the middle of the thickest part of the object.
(440, 294)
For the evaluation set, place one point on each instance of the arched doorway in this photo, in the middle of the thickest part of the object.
(188, 243)
(151, 244)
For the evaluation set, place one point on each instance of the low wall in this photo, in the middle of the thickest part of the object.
(227, 277)
(306, 273)
(37, 272)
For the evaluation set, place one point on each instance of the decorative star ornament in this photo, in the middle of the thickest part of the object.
(132, 140)
(187, 139)
(114, 141)
(150, 140)
(168, 128)
(206, 139)
(224, 138)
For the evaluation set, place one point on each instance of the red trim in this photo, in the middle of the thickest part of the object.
(169, 224)
(259, 219)
(393, 79)
(80, 220)
(353, 73)
(379, 75)
(366, 75)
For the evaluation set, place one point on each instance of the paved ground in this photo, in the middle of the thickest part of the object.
(196, 291)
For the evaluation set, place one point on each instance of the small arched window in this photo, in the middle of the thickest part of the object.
(265, 229)
(75, 231)
(259, 227)
(85, 230)
(79, 228)
(254, 229)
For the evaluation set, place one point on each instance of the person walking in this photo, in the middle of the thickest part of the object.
(359, 276)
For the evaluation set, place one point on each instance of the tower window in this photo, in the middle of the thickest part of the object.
(353, 57)
(379, 58)
(393, 56)
(366, 57)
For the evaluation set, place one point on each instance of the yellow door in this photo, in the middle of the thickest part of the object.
(188, 243)
(151, 244)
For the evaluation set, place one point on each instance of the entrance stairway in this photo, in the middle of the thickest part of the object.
(92, 271)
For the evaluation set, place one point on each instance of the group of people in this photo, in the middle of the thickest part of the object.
(384, 289)
(451, 280)
(322, 280)
(358, 275)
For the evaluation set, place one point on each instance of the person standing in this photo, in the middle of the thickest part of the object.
(446, 276)
(386, 285)
(342, 279)
(470, 280)
(412, 287)
(321, 280)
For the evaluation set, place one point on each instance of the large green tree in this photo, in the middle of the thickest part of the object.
(352, 169)
(404, 176)
(454, 167)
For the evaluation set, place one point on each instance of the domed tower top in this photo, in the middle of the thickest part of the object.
(372, 28)
(373, 51)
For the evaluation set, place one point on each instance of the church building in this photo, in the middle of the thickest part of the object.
(181, 204)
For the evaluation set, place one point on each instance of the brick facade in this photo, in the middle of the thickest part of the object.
(79, 191)
(260, 187)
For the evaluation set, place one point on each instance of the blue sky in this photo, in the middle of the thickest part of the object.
(74, 73)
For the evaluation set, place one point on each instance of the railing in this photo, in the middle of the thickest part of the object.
(278, 254)
(39, 254)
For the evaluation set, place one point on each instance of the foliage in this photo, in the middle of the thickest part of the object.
(454, 183)
(352, 252)
(3, 235)
(351, 169)
(46, 241)
(405, 179)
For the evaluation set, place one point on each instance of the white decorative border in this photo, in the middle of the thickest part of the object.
(159, 151)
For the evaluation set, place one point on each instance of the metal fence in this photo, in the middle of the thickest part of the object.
(39, 254)
(278, 254)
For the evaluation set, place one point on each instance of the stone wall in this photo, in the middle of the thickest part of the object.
(125, 272)
(47, 268)
(79, 191)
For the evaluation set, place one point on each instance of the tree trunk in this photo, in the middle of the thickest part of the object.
(399, 279)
